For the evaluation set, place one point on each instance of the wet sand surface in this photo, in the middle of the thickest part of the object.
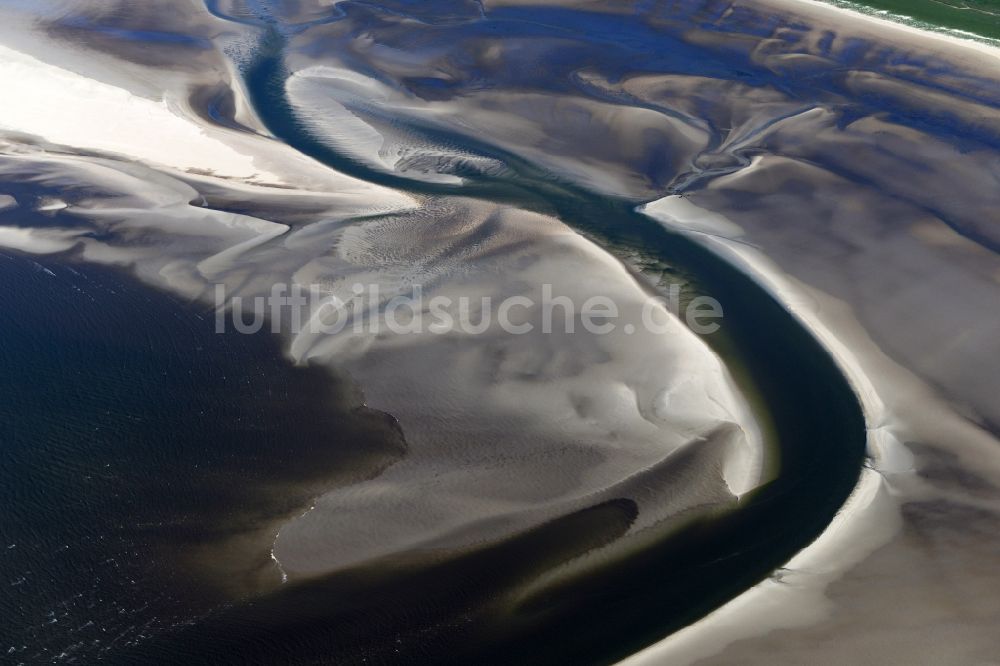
(542, 497)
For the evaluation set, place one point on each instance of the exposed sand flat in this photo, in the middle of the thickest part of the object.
(602, 409)
(385, 125)
(971, 53)
(894, 285)
(905, 493)
(160, 50)
(363, 118)
(66, 108)
(848, 166)
(625, 402)
(331, 102)
(186, 109)
(639, 150)
(69, 110)
(816, 12)
(36, 242)
(794, 596)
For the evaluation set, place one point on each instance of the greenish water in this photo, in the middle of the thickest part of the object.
(471, 605)
(971, 18)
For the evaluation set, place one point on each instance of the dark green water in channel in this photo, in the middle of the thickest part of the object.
(458, 608)
(133, 433)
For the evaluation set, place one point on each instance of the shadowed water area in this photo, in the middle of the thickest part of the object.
(136, 439)
(160, 457)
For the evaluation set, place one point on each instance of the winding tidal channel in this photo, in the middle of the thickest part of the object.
(349, 497)
(816, 434)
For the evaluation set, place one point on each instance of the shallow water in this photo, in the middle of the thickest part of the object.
(817, 426)
(159, 457)
(134, 438)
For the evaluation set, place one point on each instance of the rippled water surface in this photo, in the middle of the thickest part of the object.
(170, 493)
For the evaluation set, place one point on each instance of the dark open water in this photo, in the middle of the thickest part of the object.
(132, 437)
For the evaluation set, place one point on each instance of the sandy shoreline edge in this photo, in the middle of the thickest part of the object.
(871, 503)
(884, 29)
(794, 595)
